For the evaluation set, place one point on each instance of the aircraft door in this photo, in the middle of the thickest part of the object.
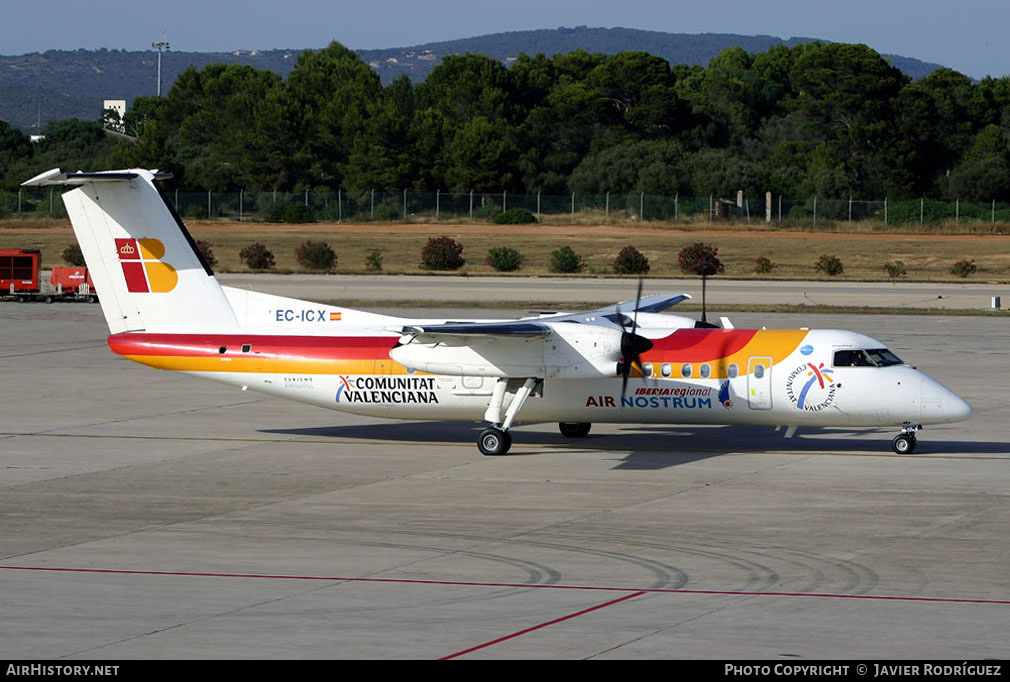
(759, 383)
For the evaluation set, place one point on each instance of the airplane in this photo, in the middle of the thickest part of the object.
(626, 363)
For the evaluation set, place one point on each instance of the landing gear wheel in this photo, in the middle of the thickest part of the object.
(574, 429)
(493, 441)
(904, 443)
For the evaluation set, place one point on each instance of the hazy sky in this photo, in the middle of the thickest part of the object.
(969, 36)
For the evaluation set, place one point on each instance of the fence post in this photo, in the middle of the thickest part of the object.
(957, 211)
(993, 211)
(471, 204)
(538, 204)
(711, 207)
(503, 200)
(922, 207)
(19, 199)
(641, 206)
(404, 205)
(885, 211)
(815, 213)
(371, 205)
(208, 205)
(241, 196)
(850, 212)
(306, 197)
(438, 202)
(340, 204)
(607, 213)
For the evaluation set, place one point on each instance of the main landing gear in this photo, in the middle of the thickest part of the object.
(574, 429)
(496, 439)
(904, 443)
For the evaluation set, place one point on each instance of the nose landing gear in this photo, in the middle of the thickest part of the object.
(904, 443)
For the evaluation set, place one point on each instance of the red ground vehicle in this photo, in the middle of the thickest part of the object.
(20, 279)
(73, 282)
(19, 271)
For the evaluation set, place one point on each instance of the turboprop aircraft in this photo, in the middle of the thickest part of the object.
(623, 363)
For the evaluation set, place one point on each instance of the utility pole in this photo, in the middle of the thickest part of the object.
(159, 46)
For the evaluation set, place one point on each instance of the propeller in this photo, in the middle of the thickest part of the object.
(632, 344)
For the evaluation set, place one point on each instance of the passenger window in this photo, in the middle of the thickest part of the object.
(706, 371)
(666, 369)
(647, 369)
(732, 371)
(759, 371)
(685, 371)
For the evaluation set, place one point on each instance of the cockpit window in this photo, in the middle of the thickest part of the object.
(873, 357)
(882, 357)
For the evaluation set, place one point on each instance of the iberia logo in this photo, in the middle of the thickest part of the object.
(817, 392)
(142, 266)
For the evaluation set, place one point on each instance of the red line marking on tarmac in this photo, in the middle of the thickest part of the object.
(463, 583)
(543, 625)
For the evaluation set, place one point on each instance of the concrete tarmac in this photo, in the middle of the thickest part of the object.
(447, 290)
(147, 514)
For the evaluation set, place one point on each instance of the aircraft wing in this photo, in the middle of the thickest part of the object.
(457, 331)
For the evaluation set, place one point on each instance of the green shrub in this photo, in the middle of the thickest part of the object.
(963, 268)
(487, 212)
(316, 256)
(763, 265)
(566, 260)
(298, 213)
(631, 261)
(388, 210)
(196, 212)
(700, 259)
(515, 216)
(257, 256)
(373, 261)
(272, 214)
(829, 265)
(895, 269)
(442, 253)
(504, 259)
(72, 255)
(206, 252)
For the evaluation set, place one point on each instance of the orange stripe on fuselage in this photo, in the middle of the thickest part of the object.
(265, 354)
(722, 347)
(370, 354)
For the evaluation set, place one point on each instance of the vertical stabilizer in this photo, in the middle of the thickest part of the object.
(147, 270)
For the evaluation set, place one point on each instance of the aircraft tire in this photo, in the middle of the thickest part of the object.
(574, 429)
(904, 444)
(494, 442)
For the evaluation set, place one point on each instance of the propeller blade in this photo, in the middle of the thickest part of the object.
(632, 344)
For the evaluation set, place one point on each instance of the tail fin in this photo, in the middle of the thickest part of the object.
(147, 270)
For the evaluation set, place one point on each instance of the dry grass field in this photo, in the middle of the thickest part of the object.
(927, 255)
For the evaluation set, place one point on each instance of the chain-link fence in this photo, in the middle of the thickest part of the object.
(404, 206)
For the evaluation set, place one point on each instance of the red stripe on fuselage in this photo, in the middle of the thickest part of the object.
(303, 347)
(701, 345)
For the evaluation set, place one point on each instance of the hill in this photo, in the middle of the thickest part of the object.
(60, 84)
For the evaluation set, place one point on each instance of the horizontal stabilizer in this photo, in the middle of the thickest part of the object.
(57, 176)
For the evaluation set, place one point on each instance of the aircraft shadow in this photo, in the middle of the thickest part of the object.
(657, 447)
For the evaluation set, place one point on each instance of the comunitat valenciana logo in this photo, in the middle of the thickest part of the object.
(811, 387)
(142, 266)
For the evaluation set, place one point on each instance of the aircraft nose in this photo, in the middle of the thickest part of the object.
(940, 404)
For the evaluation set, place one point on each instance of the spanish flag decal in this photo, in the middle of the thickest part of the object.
(142, 267)
(334, 317)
